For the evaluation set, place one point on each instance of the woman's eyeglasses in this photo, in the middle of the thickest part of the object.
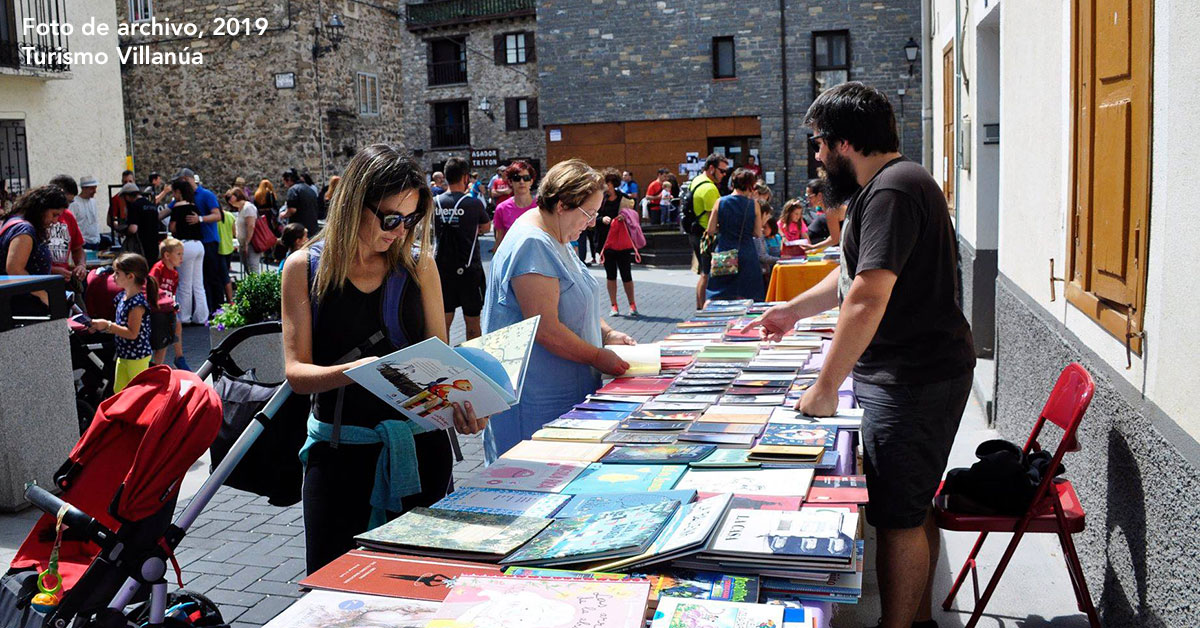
(590, 215)
(389, 222)
(521, 177)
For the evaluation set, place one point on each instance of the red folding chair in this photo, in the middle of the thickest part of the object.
(1055, 508)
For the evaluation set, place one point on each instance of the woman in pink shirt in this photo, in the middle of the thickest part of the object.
(519, 175)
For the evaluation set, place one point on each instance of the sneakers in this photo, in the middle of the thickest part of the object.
(615, 311)
(182, 364)
(633, 310)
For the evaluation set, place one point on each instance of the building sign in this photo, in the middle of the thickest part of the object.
(285, 80)
(555, 135)
(485, 158)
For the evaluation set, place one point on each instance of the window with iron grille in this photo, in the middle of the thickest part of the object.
(831, 60)
(722, 58)
(14, 156)
(520, 113)
(368, 94)
(140, 10)
(449, 124)
(447, 61)
(25, 48)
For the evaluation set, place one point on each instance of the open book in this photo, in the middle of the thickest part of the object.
(423, 380)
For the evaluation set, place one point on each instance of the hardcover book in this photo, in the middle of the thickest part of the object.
(654, 426)
(543, 451)
(675, 406)
(688, 532)
(779, 482)
(786, 453)
(753, 400)
(673, 612)
(812, 535)
(602, 425)
(494, 601)
(657, 454)
(725, 458)
(630, 399)
(756, 390)
(663, 415)
(612, 406)
(689, 398)
(811, 434)
(600, 536)
(335, 609)
(845, 418)
(392, 575)
(592, 503)
(595, 415)
(503, 502)
(635, 386)
(641, 438)
(727, 428)
(524, 475)
(622, 478)
(570, 435)
(735, 414)
(453, 533)
(743, 441)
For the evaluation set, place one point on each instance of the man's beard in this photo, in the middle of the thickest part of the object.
(842, 180)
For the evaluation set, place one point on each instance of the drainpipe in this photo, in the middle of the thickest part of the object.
(783, 85)
(958, 139)
(926, 85)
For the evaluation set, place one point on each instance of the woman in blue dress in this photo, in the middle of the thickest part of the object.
(736, 224)
(535, 272)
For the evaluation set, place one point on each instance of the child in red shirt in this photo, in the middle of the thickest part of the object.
(165, 326)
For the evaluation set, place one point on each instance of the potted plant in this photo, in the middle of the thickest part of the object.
(256, 299)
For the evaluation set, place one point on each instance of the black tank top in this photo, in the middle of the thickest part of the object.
(345, 320)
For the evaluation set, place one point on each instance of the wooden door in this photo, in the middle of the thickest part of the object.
(949, 158)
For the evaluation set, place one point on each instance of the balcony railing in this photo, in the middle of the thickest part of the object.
(15, 41)
(449, 135)
(425, 15)
(447, 72)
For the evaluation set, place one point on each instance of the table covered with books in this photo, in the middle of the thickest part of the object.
(790, 278)
(690, 495)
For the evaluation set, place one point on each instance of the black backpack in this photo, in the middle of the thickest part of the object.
(1003, 481)
(688, 221)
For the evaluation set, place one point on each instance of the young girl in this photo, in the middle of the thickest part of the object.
(295, 236)
(793, 228)
(165, 327)
(132, 324)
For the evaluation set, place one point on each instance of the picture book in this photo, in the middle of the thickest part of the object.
(814, 535)
(544, 451)
(643, 359)
(703, 380)
(780, 482)
(756, 390)
(764, 379)
(727, 428)
(423, 380)
(594, 415)
(635, 386)
(743, 441)
(453, 533)
(657, 454)
(725, 458)
(673, 612)
(569, 435)
(838, 489)
(336, 609)
(640, 438)
(702, 585)
(547, 572)
(621, 478)
(687, 532)
(765, 502)
(684, 389)
(654, 426)
(686, 397)
(503, 502)
(845, 418)
(491, 601)
(590, 538)
(523, 475)
(680, 406)
(592, 503)
(828, 461)
(664, 415)
(392, 575)
(735, 414)
(601, 425)
(612, 398)
(753, 400)
(786, 453)
(812, 434)
(612, 406)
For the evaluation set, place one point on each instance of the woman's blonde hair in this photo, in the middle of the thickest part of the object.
(260, 194)
(570, 182)
(376, 172)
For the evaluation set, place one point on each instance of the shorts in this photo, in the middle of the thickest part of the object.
(126, 370)
(704, 262)
(619, 260)
(907, 433)
(162, 330)
(465, 291)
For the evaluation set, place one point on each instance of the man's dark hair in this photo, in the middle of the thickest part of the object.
(714, 160)
(307, 178)
(126, 173)
(154, 176)
(817, 186)
(67, 183)
(663, 171)
(855, 113)
(185, 190)
(290, 175)
(456, 169)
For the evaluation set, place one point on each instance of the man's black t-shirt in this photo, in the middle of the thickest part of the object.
(899, 222)
(456, 221)
(304, 200)
(183, 230)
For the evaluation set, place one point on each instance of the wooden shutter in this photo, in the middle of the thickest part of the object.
(512, 117)
(533, 114)
(530, 53)
(1110, 207)
(498, 50)
(949, 81)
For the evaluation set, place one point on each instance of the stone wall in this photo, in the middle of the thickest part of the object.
(226, 118)
(485, 78)
(1136, 472)
(624, 61)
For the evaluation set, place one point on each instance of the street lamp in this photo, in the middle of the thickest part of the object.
(334, 32)
(911, 50)
(486, 108)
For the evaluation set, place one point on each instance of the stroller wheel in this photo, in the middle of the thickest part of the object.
(185, 609)
(85, 412)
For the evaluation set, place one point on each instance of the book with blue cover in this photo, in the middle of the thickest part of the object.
(657, 454)
(809, 434)
(503, 502)
(598, 415)
(604, 535)
(592, 503)
(624, 478)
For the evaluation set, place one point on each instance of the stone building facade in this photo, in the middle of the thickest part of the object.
(261, 103)
(624, 62)
(456, 63)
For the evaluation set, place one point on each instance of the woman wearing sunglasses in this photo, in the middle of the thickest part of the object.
(520, 176)
(379, 216)
(537, 273)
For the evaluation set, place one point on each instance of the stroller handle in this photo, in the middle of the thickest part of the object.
(219, 357)
(74, 517)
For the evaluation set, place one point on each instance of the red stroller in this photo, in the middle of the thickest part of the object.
(119, 488)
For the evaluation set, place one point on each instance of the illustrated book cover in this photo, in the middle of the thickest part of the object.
(495, 601)
(392, 575)
(591, 538)
(453, 533)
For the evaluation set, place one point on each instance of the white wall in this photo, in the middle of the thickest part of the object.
(74, 125)
(1035, 180)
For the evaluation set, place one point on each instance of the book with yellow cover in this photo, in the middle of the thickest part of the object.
(554, 451)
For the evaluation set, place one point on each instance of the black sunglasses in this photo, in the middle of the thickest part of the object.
(816, 146)
(389, 222)
(521, 177)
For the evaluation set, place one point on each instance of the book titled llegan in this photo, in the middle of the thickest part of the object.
(392, 575)
(453, 534)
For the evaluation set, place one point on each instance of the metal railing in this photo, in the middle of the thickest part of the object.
(447, 135)
(15, 41)
(443, 12)
(447, 72)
